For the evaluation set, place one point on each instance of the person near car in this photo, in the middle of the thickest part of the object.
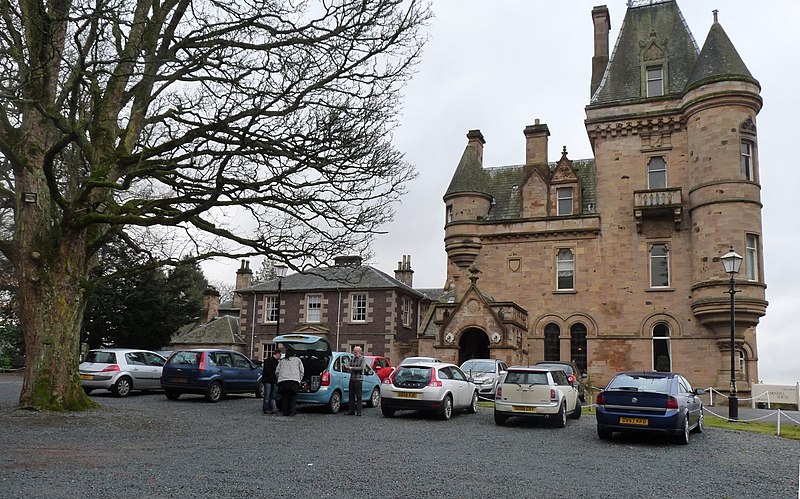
(290, 373)
(271, 383)
(356, 370)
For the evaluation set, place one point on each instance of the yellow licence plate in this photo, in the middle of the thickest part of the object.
(634, 421)
(87, 377)
(406, 395)
(522, 408)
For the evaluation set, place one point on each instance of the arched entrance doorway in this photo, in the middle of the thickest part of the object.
(474, 344)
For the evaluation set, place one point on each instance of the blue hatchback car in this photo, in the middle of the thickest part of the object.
(650, 402)
(325, 381)
(210, 372)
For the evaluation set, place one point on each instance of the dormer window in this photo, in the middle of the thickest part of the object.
(564, 198)
(655, 81)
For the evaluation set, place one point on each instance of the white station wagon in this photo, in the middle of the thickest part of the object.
(530, 391)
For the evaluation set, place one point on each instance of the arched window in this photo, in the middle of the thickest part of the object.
(578, 348)
(662, 353)
(552, 342)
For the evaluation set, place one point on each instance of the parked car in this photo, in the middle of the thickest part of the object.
(486, 373)
(120, 370)
(381, 365)
(410, 360)
(649, 402)
(574, 374)
(539, 392)
(325, 382)
(435, 387)
(210, 372)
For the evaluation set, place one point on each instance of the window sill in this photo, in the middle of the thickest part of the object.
(659, 290)
(565, 292)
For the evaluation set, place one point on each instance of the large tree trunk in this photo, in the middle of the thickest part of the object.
(51, 304)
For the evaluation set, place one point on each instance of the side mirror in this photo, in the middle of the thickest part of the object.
(471, 379)
(699, 391)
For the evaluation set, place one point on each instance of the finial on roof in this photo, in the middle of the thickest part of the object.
(715, 12)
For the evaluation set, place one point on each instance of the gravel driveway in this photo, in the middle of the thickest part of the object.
(147, 446)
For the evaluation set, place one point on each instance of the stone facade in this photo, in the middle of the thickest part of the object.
(613, 261)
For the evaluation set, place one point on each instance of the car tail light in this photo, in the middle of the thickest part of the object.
(434, 380)
(112, 367)
(600, 400)
(672, 403)
(202, 365)
(325, 379)
(499, 393)
(572, 378)
(553, 394)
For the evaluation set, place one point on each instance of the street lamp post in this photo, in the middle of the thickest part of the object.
(732, 262)
(280, 271)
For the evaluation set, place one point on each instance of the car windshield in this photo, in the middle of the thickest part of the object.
(479, 366)
(186, 358)
(413, 374)
(632, 382)
(564, 367)
(101, 357)
(527, 377)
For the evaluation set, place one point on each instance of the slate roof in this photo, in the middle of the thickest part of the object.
(223, 330)
(505, 183)
(332, 278)
(469, 175)
(623, 77)
(718, 60)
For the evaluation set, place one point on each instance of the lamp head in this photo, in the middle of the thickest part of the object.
(280, 271)
(732, 262)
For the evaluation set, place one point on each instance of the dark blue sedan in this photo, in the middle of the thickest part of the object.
(650, 402)
(210, 372)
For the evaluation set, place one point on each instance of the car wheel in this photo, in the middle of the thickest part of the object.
(603, 433)
(374, 398)
(473, 406)
(500, 419)
(87, 391)
(683, 437)
(699, 428)
(389, 413)
(446, 410)
(335, 403)
(122, 388)
(561, 417)
(172, 395)
(576, 414)
(214, 391)
(260, 391)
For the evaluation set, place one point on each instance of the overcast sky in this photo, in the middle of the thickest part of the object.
(496, 65)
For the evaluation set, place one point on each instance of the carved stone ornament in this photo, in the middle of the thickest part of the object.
(513, 265)
(448, 338)
(653, 53)
(495, 337)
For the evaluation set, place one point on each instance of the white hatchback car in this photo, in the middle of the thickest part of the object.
(532, 391)
(435, 387)
(120, 370)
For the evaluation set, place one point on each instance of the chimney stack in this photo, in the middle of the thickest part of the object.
(536, 143)
(404, 273)
(244, 277)
(210, 306)
(476, 141)
(602, 26)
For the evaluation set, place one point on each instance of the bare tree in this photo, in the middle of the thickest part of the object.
(189, 129)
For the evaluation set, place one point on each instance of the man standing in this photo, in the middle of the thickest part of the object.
(290, 373)
(356, 369)
(270, 380)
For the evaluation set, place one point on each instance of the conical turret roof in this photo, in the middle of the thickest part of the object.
(469, 175)
(718, 61)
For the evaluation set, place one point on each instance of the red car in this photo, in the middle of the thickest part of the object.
(381, 365)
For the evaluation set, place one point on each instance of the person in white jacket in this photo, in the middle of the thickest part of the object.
(290, 373)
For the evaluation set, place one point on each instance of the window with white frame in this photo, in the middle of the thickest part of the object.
(655, 81)
(565, 278)
(408, 314)
(751, 256)
(662, 354)
(267, 350)
(358, 307)
(313, 308)
(271, 309)
(747, 159)
(657, 173)
(449, 213)
(659, 266)
(564, 201)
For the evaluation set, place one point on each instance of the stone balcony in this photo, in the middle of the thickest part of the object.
(657, 203)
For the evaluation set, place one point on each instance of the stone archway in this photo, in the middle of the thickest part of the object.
(473, 344)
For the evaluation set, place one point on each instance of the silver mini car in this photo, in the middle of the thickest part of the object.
(120, 370)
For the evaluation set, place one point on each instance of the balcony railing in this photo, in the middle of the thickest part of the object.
(657, 203)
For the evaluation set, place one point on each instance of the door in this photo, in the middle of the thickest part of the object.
(246, 372)
(223, 365)
(465, 389)
(340, 377)
(155, 365)
(139, 370)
